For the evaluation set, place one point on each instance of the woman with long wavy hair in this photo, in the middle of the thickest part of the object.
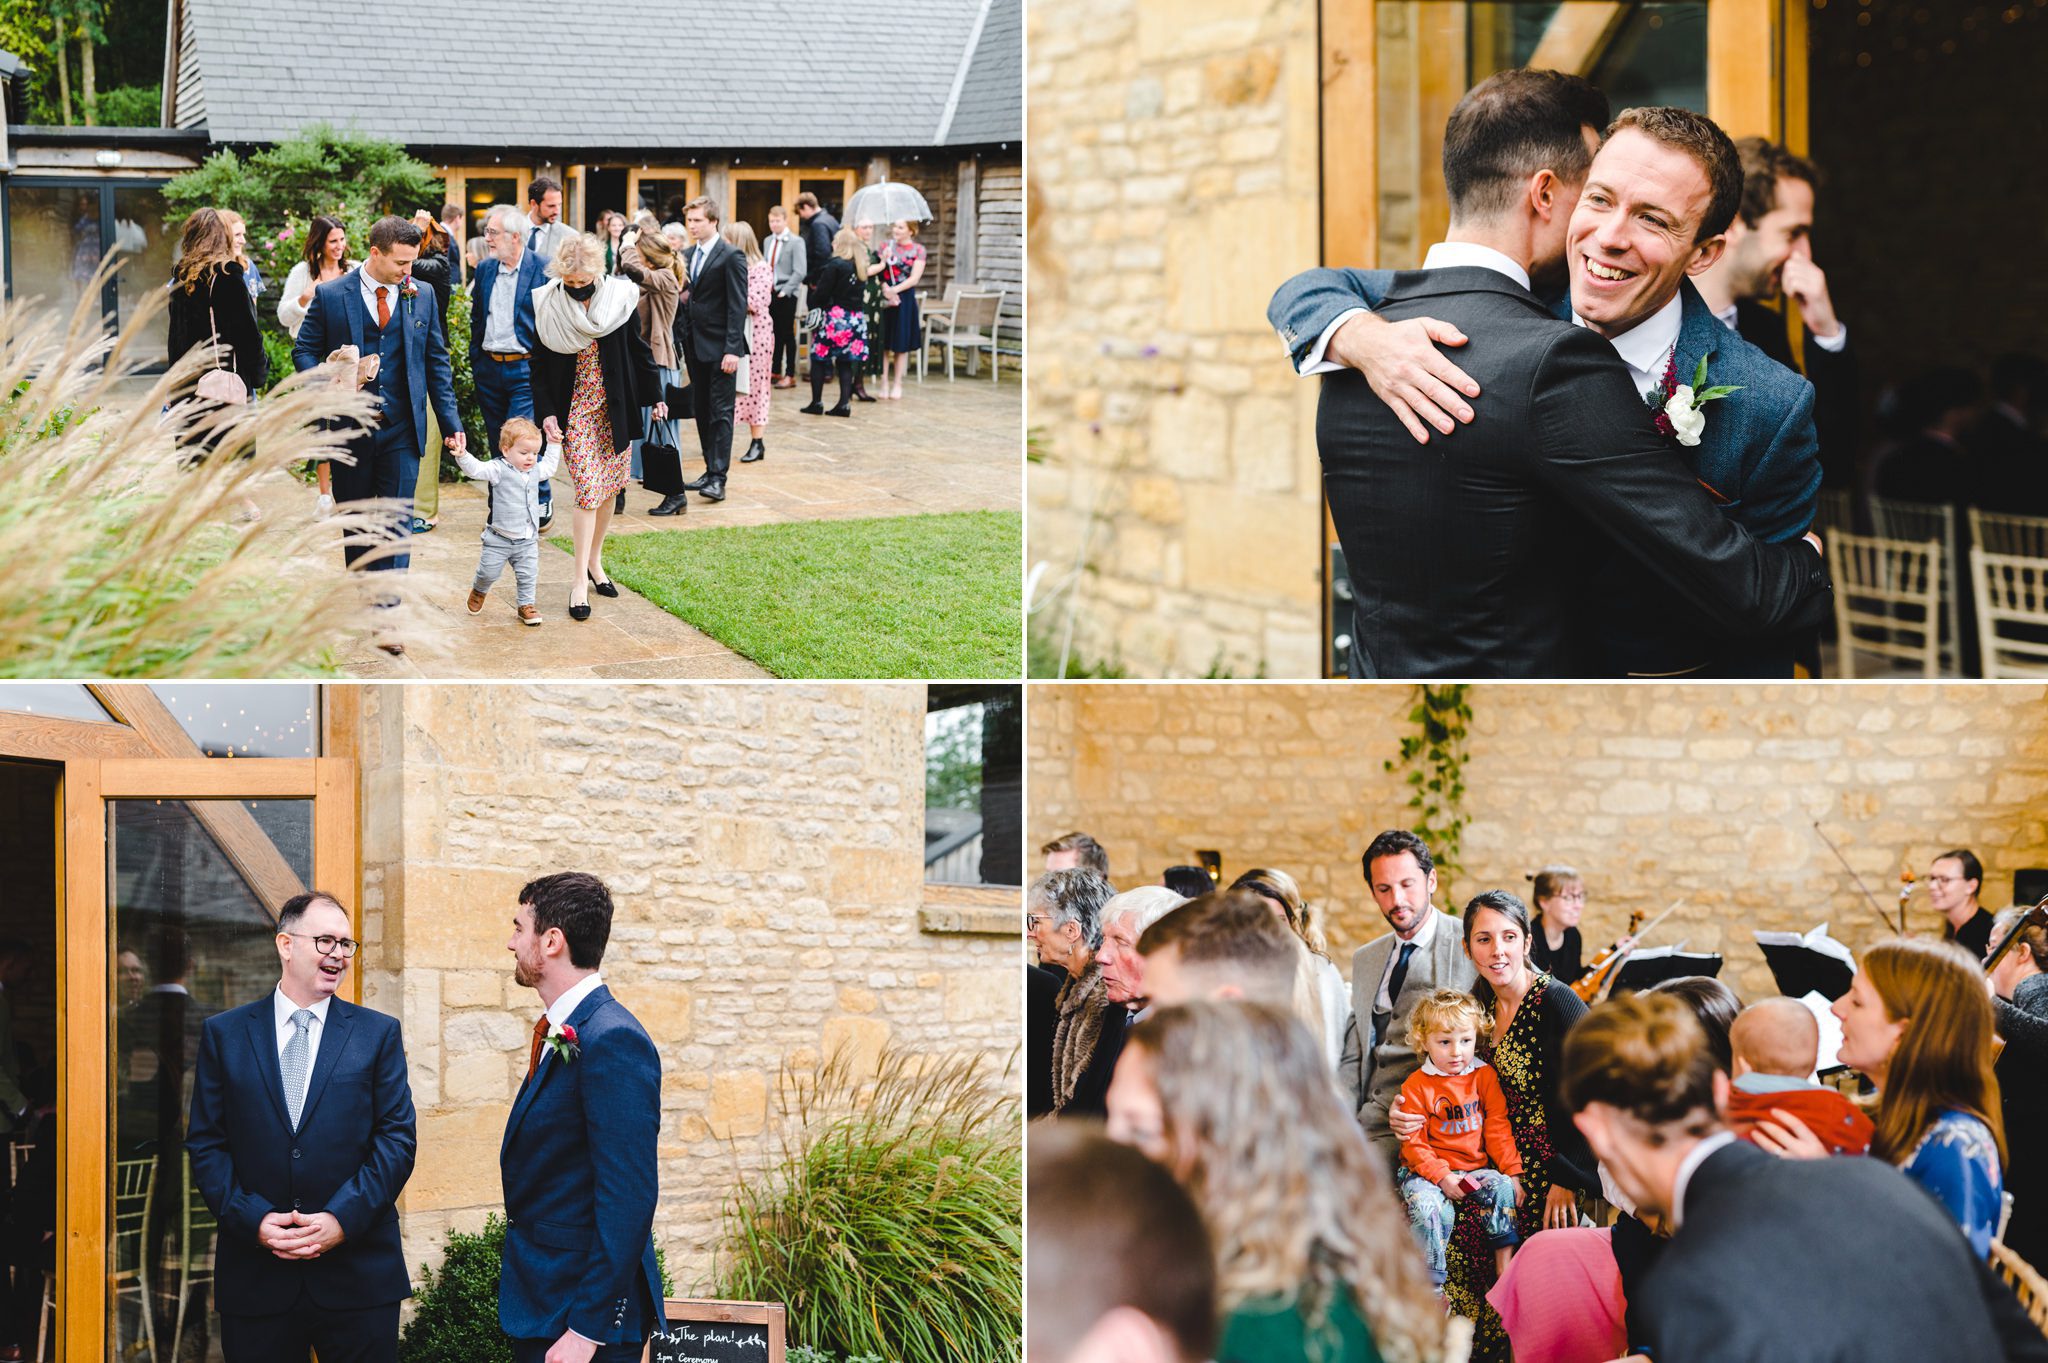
(1917, 1023)
(1314, 1260)
(1320, 989)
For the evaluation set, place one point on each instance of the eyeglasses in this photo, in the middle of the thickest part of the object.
(1946, 880)
(1032, 920)
(327, 944)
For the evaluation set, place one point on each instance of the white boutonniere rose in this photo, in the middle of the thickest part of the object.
(1681, 411)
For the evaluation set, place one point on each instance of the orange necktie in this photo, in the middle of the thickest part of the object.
(540, 1034)
(384, 320)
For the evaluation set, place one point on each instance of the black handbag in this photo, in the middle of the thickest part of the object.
(661, 465)
(681, 401)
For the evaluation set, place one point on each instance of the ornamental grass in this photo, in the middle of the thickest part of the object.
(889, 1218)
(123, 548)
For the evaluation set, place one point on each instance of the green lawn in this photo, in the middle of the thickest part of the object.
(897, 596)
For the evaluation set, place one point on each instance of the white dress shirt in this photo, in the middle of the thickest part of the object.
(1688, 1166)
(1647, 346)
(370, 287)
(1424, 936)
(1832, 344)
(564, 1008)
(1442, 256)
(283, 1008)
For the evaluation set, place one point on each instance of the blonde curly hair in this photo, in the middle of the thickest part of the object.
(1446, 1010)
(582, 254)
(1295, 1200)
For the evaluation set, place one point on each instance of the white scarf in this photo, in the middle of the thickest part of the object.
(567, 327)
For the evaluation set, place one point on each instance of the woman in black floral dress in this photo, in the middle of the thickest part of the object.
(1532, 1012)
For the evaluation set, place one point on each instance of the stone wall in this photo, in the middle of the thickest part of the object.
(764, 847)
(1653, 792)
(1173, 186)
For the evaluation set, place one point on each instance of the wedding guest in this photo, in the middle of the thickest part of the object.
(2006, 444)
(1561, 1299)
(1776, 1045)
(1120, 1269)
(1954, 880)
(1064, 914)
(325, 258)
(238, 230)
(511, 534)
(501, 328)
(1125, 918)
(821, 230)
(1313, 1257)
(752, 406)
(2020, 1006)
(210, 307)
(1187, 880)
(839, 340)
(1714, 1004)
(786, 262)
(1917, 1023)
(546, 231)
(867, 263)
(460, 260)
(652, 264)
(611, 230)
(1797, 1263)
(714, 323)
(592, 376)
(1226, 945)
(1042, 985)
(1530, 1014)
(903, 267)
(1079, 849)
(1320, 984)
(432, 266)
(1555, 945)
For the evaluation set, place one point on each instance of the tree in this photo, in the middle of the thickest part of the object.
(84, 21)
(345, 173)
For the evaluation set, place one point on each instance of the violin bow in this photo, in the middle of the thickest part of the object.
(1875, 907)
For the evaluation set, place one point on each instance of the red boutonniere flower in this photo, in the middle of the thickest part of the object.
(407, 289)
(562, 1041)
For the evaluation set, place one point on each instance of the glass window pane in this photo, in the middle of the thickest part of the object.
(192, 887)
(53, 242)
(831, 195)
(664, 198)
(227, 719)
(59, 700)
(146, 243)
(973, 833)
(1657, 57)
(481, 193)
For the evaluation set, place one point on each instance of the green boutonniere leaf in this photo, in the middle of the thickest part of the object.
(1718, 391)
(1699, 373)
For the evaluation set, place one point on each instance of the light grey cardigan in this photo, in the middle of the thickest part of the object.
(515, 495)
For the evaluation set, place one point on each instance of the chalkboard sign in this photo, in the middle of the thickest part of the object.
(719, 1332)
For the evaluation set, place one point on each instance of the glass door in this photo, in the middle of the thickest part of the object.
(59, 229)
(175, 869)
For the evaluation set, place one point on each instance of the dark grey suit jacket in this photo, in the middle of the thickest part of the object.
(1468, 556)
(1814, 1261)
(1372, 1075)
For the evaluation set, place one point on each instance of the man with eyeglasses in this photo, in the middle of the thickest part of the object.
(301, 1140)
(1953, 882)
(501, 329)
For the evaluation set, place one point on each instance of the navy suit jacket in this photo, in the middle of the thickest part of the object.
(533, 272)
(338, 317)
(580, 1186)
(351, 1156)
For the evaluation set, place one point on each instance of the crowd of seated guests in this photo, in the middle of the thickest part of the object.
(1481, 1161)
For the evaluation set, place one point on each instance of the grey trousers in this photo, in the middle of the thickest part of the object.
(523, 555)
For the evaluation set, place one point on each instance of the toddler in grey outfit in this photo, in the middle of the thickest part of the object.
(512, 531)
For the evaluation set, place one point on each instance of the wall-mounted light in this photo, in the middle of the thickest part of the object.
(107, 159)
(1212, 862)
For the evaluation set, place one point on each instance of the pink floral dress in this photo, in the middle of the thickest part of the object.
(598, 470)
(751, 409)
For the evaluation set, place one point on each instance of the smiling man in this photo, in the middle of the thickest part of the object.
(1625, 235)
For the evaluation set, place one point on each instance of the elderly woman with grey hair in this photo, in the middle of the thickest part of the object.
(593, 376)
(1064, 915)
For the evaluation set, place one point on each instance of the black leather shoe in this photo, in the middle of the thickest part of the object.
(812, 409)
(842, 410)
(577, 612)
(697, 484)
(756, 452)
(674, 505)
(714, 492)
(604, 588)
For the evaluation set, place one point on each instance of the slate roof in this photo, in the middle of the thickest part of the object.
(991, 103)
(541, 73)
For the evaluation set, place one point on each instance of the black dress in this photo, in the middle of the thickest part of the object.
(1565, 963)
(219, 304)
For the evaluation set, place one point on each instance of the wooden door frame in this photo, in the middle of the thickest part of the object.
(99, 761)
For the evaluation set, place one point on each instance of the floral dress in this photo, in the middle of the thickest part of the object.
(751, 408)
(871, 295)
(1957, 1161)
(1518, 1057)
(843, 329)
(597, 468)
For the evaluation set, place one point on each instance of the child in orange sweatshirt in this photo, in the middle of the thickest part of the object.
(1465, 1118)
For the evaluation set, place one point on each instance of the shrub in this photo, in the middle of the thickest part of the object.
(130, 106)
(119, 555)
(889, 1219)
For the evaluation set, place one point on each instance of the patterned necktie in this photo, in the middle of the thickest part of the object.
(293, 1064)
(383, 311)
(540, 1034)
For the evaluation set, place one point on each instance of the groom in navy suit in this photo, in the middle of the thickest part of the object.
(301, 1139)
(392, 321)
(579, 1280)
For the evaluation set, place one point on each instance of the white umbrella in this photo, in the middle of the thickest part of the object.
(887, 202)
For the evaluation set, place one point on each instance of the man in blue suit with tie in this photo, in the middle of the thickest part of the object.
(390, 323)
(301, 1138)
(501, 330)
(579, 1282)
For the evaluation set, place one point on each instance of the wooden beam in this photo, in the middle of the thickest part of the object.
(1349, 134)
(337, 852)
(1442, 77)
(1744, 39)
(84, 984)
(57, 740)
(1577, 36)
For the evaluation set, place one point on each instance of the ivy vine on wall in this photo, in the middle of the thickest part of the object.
(1433, 755)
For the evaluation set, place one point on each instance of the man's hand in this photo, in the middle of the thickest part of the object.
(1401, 362)
(1814, 540)
(276, 1233)
(552, 429)
(572, 1348)
(730, 364)
(1806, 285)
(1400, 1121)
(316, 1234)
